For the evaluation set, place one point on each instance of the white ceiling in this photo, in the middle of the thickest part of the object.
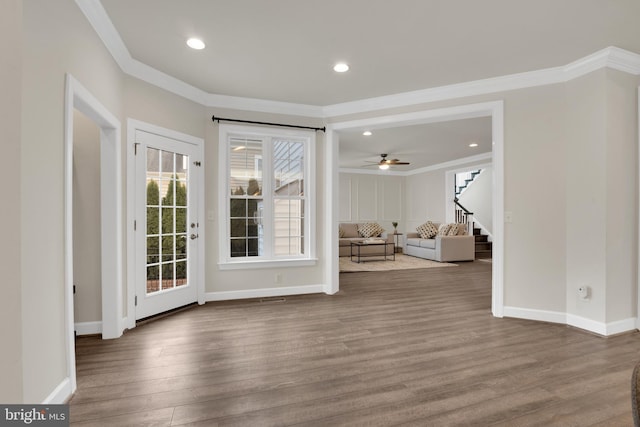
(421, 145)
(284, 50)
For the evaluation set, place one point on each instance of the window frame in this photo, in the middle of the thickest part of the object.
(267, 136)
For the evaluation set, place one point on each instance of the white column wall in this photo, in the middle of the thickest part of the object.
(57, 40)
(11, 365)
(622, 198)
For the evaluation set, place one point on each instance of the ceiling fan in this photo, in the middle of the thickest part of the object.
(385, 163)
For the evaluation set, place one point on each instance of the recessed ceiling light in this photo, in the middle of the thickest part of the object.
(473, 144)
(340, 67)
(194, 43)
(367, 133)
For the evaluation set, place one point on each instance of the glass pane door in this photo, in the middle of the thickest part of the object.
(167, 181)
(168, 247)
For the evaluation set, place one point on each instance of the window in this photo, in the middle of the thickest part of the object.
(268, 198)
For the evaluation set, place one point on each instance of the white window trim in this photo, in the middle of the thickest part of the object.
(225, 261)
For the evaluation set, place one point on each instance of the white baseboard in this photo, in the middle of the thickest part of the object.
(264, 293)
(61, 394)
(600, 328)
(88, 328)
(95, 328)
(621, 326)
(533, 314)
(587, 324)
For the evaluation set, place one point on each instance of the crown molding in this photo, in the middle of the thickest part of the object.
(610, 57)
(263, 105)
(101, 23)
(623, 60)
(99, 20)
(453, 163)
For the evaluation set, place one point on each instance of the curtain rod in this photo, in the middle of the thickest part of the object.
(214, 118)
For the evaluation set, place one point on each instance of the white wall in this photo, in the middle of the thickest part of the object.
(586, 220)
(57, 40)
(602, 203)
(622, 196)
(427, 195)
(87, 262)
(372, 198)
(11, 389)
(425, 198)
(478, 198)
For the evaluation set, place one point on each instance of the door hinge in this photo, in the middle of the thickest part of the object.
(135, 225)
(135, 148)
(74, 289)
(135, 301)
(197, 163)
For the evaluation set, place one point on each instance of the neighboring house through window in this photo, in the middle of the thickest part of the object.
(269, 195)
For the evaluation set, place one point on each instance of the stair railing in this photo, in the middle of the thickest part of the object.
(463, 216)
(464, 179)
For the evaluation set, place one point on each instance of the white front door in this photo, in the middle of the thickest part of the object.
(167, 226)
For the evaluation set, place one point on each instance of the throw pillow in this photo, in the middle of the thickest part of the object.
(369, 229)
(454, 229)
(443, 229)
(349, 229)
(427, 230)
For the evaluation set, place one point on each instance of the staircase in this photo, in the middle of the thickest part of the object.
(463, 180)
(483, 245)
(462, 215)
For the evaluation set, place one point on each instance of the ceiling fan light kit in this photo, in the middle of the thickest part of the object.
(390, 162)
(385, 163)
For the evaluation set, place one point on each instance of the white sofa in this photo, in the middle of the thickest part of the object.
(441, 248)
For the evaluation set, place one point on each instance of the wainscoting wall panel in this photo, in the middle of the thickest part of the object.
(344, 199)
(371, 198)
(391, 206)
(367, 199)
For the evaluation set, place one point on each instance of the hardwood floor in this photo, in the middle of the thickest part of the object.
(417, 348)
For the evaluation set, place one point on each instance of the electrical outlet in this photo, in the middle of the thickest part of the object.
(583, 292)
(508, 217)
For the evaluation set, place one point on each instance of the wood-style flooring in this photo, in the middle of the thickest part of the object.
(416, 348)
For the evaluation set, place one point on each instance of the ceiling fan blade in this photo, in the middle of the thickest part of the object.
(384, 161)
(395, 162)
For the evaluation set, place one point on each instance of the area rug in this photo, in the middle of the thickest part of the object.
(402, 262)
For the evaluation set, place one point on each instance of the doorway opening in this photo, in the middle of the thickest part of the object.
(79, 99)
(87, 253)
(493, 110)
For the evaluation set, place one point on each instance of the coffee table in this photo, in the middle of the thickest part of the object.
(387, 251)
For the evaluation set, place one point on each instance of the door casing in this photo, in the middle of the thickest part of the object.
(133, 126)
